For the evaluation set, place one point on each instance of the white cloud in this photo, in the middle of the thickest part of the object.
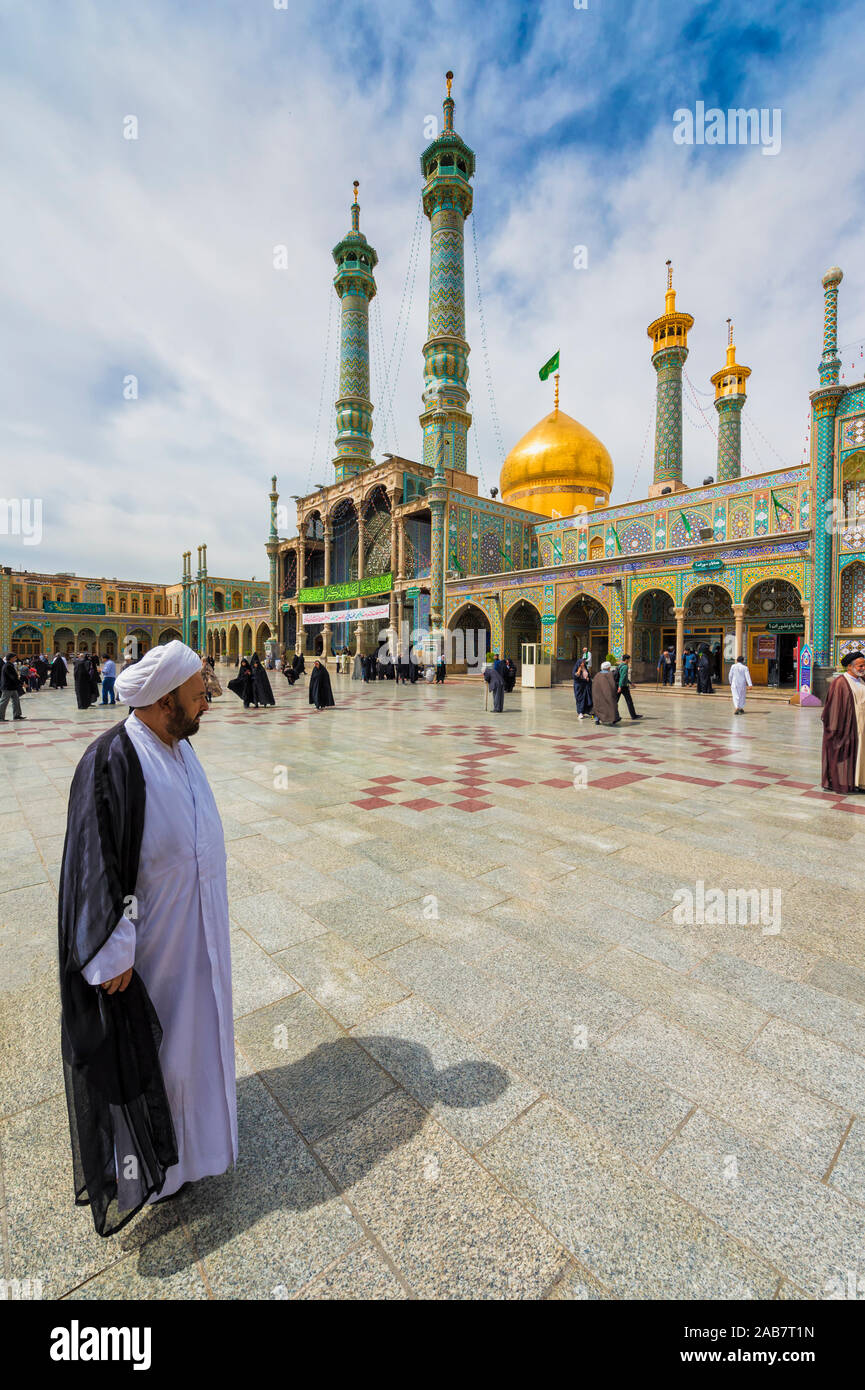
(154, 257)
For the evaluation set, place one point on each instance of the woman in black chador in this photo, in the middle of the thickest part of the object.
(509, 674)
(58, 673)
(261, 682)
(704, 673)
(320, 693)
(243, 685)
(85, 683)
(582, 678)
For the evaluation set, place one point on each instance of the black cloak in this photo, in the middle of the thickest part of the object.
(242, 685)
(261, 683)
(84, 683)
(320, 693)
(115, 1092)
(58, 673)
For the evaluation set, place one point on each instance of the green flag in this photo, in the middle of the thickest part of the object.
(779, 506)
(551, 366)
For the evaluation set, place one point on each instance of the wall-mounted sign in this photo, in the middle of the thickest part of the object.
(765, 647)
(346, 615)
(52, 606)
(787, 625)
(355, 588)
(708, 566)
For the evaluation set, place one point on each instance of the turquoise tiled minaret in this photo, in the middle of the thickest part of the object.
(447, 166)
(354, 282)
(730, 396)
(824, 403)
(669, 335)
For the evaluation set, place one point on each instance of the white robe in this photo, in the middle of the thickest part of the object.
(179, 945)
(740, 680)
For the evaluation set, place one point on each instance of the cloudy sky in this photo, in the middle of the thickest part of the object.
(153, 257)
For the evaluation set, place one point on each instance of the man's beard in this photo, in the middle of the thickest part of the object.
(180, 725)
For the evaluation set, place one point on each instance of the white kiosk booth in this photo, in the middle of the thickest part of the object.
(537, 669)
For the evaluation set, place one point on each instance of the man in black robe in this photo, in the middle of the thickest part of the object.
(496, 682)
(261, 682)
(320, 693)
(110, 1041)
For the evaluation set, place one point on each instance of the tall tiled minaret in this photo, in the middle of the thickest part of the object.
(824, 403)
(354, 282)
(730, 393)
(447, 166)
(669, 335)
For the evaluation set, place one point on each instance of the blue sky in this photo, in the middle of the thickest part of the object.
(154, 257)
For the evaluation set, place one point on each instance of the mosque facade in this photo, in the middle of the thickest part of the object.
(756, 565)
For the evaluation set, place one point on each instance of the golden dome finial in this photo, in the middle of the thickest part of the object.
(670, 301)
(449, 77)
(356, 186)
(556, 398)
(731, 379)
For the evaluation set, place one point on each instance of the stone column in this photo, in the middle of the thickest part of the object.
(5, 609)
(739, 639)
(300, 635)
(680, 643)
(325, 632)
(359, 643)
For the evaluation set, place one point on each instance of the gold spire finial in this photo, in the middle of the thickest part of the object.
(556, 399)
(355, 186)
(449, 77)
(669, 275)
(729, 332)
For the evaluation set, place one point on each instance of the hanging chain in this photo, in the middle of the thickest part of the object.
(486, 356)
(312, 457)
(643, 450)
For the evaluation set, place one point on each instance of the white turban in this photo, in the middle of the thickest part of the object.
(605, 666)
(159, 671)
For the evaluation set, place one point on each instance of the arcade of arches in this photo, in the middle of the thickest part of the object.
(765, 629)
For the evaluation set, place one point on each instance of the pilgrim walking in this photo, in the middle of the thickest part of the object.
(496, 682)
(145, 969)
(320, 693)
(605, 696)
(58, 673)
(740, 680)
(261, 682)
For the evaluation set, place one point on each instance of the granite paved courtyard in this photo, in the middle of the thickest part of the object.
(480, 1053)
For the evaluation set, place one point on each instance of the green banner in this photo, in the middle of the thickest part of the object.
(551, 366)
(50, 606)
(355, 588)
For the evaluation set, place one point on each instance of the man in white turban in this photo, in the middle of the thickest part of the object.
(145, 968)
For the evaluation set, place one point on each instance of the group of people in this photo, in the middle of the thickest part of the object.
(599, 695)
(252, 683)
(30, 674)
(699, 666)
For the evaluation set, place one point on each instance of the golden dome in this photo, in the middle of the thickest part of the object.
(558, 468)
